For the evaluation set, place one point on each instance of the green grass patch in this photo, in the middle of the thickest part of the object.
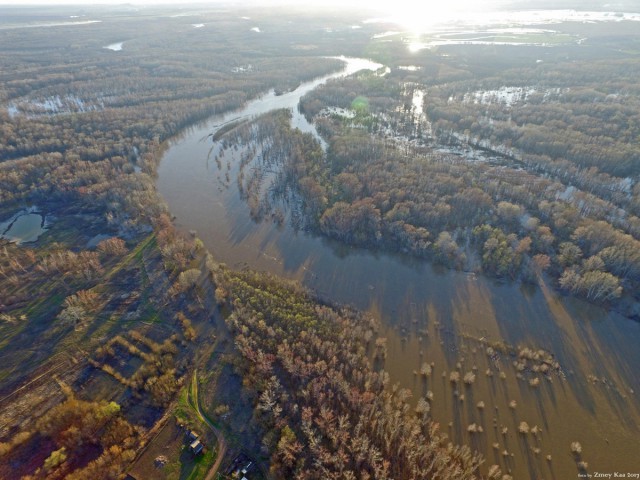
(198, 468)
(184, 406)
(45, 305)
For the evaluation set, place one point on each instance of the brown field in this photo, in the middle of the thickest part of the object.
(170, 443)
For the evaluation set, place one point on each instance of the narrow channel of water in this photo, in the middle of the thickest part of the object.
(440, 316)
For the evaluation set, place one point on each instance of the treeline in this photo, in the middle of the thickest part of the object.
(327, 413)
(156, 380)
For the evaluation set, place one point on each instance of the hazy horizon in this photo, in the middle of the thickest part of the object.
(368, 4)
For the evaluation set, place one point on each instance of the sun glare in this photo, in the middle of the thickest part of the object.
(416, 17)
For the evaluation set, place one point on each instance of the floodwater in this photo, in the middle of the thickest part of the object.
(23, 227)
(47, 24)
(484, 24)
(115, 47)
(429, 314)
(482, 16)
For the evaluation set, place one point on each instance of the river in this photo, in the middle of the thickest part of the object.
(441, 316)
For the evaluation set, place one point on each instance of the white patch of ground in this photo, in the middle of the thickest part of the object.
(54, 105)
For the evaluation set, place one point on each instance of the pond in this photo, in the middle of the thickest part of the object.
(441, 316)
(23, 227)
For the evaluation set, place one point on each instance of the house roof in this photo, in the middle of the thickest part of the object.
(196, 447)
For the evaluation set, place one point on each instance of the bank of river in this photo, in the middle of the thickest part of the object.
(440, 316)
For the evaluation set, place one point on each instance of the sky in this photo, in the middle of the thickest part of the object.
(407, 12)
(377, 4)
(404, 11)
(415, 7)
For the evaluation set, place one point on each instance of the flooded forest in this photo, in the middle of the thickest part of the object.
(311, 243)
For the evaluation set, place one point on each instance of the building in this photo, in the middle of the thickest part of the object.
(196, 447)
(246, 469)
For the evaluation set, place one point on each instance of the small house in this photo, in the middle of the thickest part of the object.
(196, 447)
(246, 468)
(192, 436)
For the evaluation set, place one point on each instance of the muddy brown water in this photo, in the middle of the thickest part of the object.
(435, 315)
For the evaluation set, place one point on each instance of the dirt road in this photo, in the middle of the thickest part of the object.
(222, 444)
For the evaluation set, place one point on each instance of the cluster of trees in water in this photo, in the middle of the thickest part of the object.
(509, 219)
(584, 114)
(326, 412)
